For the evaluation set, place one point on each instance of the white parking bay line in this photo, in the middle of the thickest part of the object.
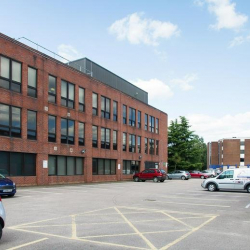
(27, 244)
(247, 206)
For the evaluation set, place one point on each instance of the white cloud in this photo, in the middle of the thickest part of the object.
(215, 128)
(68, 52)
(226, 14)
(158, 91)
(137, 29)
(238, 41)
(184, 83)
(161, 54)
(199, 2)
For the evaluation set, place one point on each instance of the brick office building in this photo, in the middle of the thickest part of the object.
(61, 125)
(229, 153)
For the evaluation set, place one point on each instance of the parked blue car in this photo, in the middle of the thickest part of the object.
(7, 186)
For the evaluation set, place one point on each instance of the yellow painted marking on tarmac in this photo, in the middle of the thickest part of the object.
(136, 230)
(27, 244)
(114, 235)
(74, 227)
(56, 218)
(173, 218)
(95, 223)
(187, 234)
(167, 211)
(192, 204)
(83, 240)
(89, 212)
(30, 223)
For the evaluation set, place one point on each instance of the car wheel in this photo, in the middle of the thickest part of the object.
(1, 231)
(143, 180)
(11, 195)
(248, 188)
(211, 187)
(162, 180)
(155, 179)
(202, 177)
(136, 179)
(183, 178)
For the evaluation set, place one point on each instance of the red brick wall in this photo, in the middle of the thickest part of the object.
(247, 152)
(231, 152)
(48, 66)
(214, 156)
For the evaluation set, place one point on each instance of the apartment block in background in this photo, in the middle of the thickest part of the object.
(229, 153)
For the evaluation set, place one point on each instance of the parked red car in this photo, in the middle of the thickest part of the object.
(200, 174)
(150, 174)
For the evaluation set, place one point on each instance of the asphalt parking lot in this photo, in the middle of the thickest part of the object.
(174, 215)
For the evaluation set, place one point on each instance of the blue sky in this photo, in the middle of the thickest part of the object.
(192, 56)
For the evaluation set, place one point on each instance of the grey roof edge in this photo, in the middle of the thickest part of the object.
(108, 71)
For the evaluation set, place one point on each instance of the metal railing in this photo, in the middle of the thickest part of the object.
(78, 67)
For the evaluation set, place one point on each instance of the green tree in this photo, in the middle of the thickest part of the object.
(185, 149)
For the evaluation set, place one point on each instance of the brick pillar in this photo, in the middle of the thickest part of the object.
(88, 169)
(42, 173)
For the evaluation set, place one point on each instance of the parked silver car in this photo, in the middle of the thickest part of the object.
(179, 174)
(2, 217)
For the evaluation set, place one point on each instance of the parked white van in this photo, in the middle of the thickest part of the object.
(234, 179)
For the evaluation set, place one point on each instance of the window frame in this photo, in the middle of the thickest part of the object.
(82, 102)
(66, 167)
(32, 89)
(95, 141)
(138, 119)
(146, 145)
(132, 143)
(124, 139)
(81, 140)
(124, 114)
(157, 122)
(67, 136)
(10, 80)
(115, 111)
(31, 130)
(105, 168)
(51, 94)
(106, 143)
(95, 109)
(146, 122)
(132, 117)
(139, 144)
(115, 141)
(69, 103)
(130, 171)
(51, 135)
(151, 123)
(151, 146)
(105, 103)
(10, 122)
(24, 163)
